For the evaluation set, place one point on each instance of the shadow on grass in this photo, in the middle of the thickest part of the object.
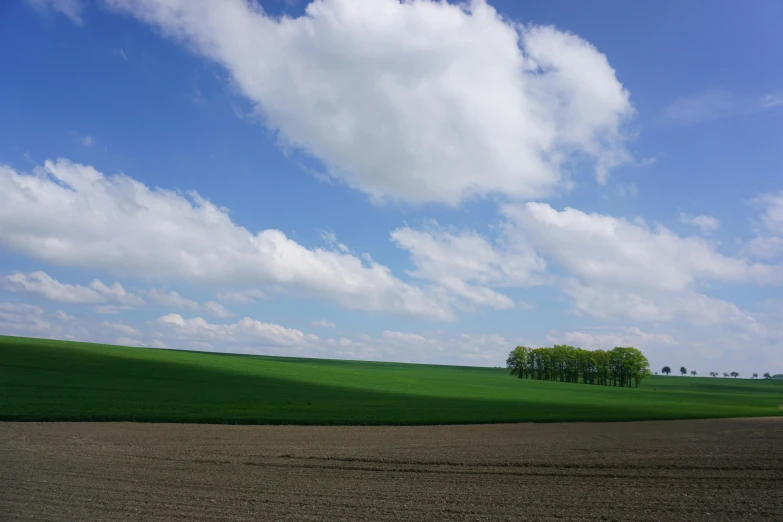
(48, 381)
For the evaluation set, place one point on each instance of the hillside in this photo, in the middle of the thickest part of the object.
(58, 380)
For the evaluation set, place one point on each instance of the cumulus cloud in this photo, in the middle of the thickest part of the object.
(602, 248)
(418, 101)
(71, 214)
(249, 335)
(467, 264)
(174, 300)
(44, 285)
(625, 269)
(705, 223)
(609, 302)
(245, 331)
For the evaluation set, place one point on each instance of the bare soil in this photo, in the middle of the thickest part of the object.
(673, 470)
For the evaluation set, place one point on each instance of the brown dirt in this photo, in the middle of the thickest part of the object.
(678, 470)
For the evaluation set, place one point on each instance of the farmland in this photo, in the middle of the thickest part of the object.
(43, 380)
(718, 470)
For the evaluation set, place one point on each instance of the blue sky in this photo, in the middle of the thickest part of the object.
(413, 182)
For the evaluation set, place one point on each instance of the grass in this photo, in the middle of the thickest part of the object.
(44, 380)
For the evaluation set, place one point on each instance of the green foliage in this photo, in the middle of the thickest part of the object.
(45, 380)
(622, 366)
(683, 370)
(666, 370)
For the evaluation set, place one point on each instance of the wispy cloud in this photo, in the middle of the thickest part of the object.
(70, 8)
(323, 323)
(120, 52)
(718, 104)
(706, 223)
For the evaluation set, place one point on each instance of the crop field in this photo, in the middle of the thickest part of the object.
(718, 470)
(653, 470)
(42, 380)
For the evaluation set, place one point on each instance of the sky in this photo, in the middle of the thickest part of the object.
(408, 181)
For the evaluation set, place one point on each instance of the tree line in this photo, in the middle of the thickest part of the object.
(684, 371)
(621, 366)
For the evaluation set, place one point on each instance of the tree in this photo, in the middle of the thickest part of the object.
(683, 370)
(621, 366)
(734, 374)
(666, 370)
(767, 375)
(714, 374)
(693, 372)
(755, 376)
(517, 361)
(725, 374)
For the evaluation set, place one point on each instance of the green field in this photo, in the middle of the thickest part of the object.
(42, 380)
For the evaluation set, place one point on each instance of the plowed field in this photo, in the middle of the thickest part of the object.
(669, 470)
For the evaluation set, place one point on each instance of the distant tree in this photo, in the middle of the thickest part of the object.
(683, 370)
(656, 373)
(621, 366)
(767, 375)
(693, 372)
(714, 374)
(666, 370)
(725, 374)
(755, 376)
(517, 361)
(734, 374)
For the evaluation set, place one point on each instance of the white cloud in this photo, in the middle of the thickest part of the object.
(111, 309)
(717, 104)
(43, 284)
(626, 270)
(323, 323)
(769, 240)
(252, 336)
(246, 331)
(87, 141)
(765, 247)
(123, 328)
(70, 8)
(70, 214)
(467, 264)
(128, 341)
(419, 101)
(602, 248)
(22, 319)
(608, 302)
(705, 223)
(770, 101)
(772, 218)
(331, 239)
(61, 315)
(174, 300)
(607, 340)
(240, 296)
